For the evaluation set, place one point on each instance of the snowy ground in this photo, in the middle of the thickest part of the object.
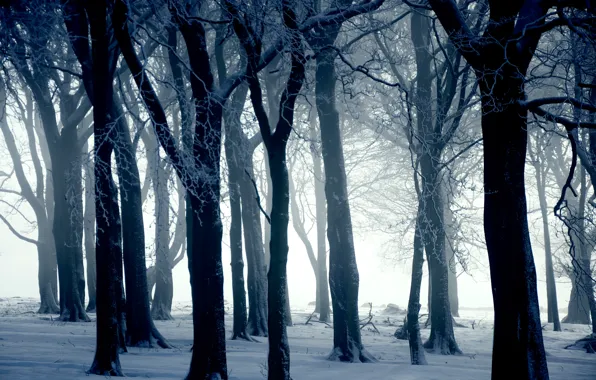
(34, 346)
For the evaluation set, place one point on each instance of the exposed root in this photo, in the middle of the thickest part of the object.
(442, 345)
(244, 336)
(353, 355)
(48, 308)
(159, 339)
(76, 315)
(105, 369)
(588, 344)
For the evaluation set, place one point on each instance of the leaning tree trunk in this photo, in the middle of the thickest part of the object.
(343, 270)
(416, 349)
(517, 346)
(89, 235)
(140, 329)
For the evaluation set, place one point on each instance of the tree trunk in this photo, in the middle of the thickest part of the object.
(89, 232)
(551, 289)
(140, 331)
(255, 254)
(108, 246)
(205, 266)
(234, 153)
(578, 309)
(450, 236)
(279, 352)
(52, 265)
(46, 271)
(68, 227)
(518, 348)
(298, 224)
(321, 216)
(164, 286)
(416, 349)
(431, 205)
(343, 270)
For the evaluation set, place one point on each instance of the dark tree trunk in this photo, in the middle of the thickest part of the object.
(204, 253)
(89, 236)
(279, 353)
(551, 289)
(108, 245)
(416, 349)
(239, 330)
(518, 348)
(500, 65)
(140, 331)
(343, 270)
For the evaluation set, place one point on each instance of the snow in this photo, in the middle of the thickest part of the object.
(37, 346)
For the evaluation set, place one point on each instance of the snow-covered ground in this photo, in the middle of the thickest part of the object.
(37, 347)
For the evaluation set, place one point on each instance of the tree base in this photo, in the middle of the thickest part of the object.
(161, 314)
(107, 370)
(576, 320)
(588, 344)
(442, 345)
(244, 336)
(48, 308)
(353, 356)
(74, 316)
(155, 339)
(254, 330)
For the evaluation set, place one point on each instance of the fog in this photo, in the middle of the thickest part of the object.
(382, 280)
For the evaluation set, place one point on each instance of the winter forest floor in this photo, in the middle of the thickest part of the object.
(34, 346)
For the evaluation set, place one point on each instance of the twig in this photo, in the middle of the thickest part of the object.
(258, 198)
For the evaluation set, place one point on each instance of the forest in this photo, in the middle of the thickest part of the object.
(458, 135)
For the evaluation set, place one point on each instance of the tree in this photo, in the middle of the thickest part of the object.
(501, 58)
(108, 245)
(140, 329)
(541, 173)
(36, 199)
(275, 143)
(343, 270)
(32, 57)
